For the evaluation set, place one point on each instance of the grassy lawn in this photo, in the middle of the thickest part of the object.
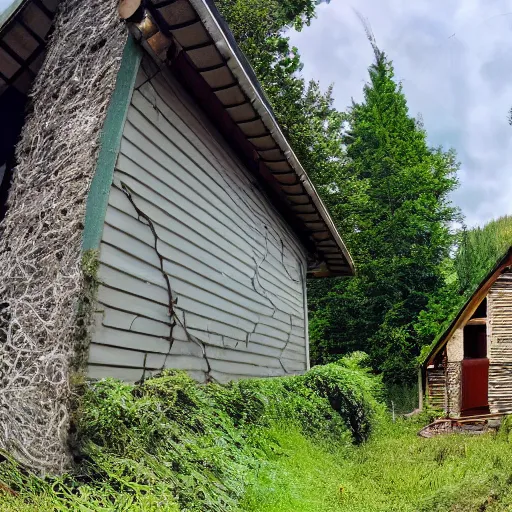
(276, 445)
(396, 471)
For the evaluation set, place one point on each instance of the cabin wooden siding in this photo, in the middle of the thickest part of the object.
(499, 343)
(443, 387)
(236, 269)
(436, 387)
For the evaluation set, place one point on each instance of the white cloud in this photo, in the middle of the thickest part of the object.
(454, 61)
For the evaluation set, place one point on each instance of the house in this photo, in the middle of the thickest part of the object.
(469, 369)
(156, 217)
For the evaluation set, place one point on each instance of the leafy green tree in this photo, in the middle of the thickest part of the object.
(442, 305)
(259, 27)
(479, 250)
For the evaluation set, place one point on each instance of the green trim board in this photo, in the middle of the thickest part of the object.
(110, 142)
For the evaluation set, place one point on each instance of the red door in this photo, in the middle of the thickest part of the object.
(475, 383)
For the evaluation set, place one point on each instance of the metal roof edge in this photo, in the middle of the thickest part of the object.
(244, 73)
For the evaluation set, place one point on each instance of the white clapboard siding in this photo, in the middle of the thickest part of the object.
(235, 268)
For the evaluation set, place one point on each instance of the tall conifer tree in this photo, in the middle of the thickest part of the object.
(400, 233)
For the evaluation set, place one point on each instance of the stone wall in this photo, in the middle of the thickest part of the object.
(453, 387)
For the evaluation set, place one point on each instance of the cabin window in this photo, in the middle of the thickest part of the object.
(475, 342)
(481, 311)
(440, 359)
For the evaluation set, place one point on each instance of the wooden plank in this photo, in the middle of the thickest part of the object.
(180, 180)
(113, 356)
(239, 356)
(184, 283)
(180, 152)
(190, 298)
(245, 370)
(195, 322)
(127, 321)
(477, 321)
(132, 303)
(127, 374)
(265, 278)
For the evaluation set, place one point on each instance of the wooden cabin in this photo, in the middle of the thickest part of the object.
(469, 369)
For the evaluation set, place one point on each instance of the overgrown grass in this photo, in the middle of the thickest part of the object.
(171, 444)
(316, 443)
(401, 399)
(396, 471)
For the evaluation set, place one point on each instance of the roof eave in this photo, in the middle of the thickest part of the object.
(11, 11)
(241, 69)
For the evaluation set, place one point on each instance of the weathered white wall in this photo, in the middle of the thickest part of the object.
(234, 266)
(499, 340)
(455, 346)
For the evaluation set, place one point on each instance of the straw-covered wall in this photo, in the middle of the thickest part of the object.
(42, 283)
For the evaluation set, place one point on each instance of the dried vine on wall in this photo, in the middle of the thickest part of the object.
(42, 284)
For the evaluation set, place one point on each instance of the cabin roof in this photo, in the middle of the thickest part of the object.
(218, 74)
(192, 38)
(24, 29)
(470, 306)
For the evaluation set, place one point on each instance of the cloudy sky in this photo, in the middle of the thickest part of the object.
(454, 58)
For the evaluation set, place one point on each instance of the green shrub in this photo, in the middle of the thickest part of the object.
(176, 444)
(351, 391)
